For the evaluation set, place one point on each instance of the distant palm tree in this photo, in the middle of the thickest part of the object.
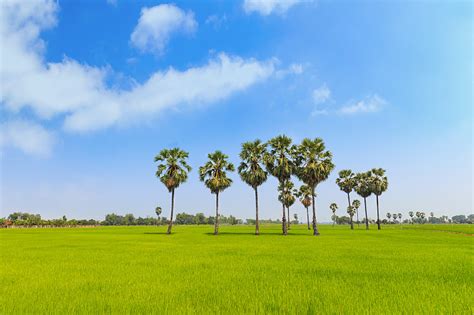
(356, 205)
(389, 215)
(287, 197)
(251, 170)
(158, 213)
(418, 215)
(314, 164)
(378, 184)
(410, 213)
(214, 176)
(362, 188)
(172, 171)
(351, 212)
(279, 163)
(333, 208)
(304, 194)
(422, 215)
(346, 182)
(400, 217)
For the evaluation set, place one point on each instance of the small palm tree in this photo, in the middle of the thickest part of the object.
(314, 164)
(158, 213)
(286, 197)
(251, 170)
(410, 213)
(356, 205)
(333, 208)
(418, 215)
(304, 194)
(389, 215)
(362, 188)
(279, 163)
(400, 217)
(346, 182)
(351, 212)
(378, 185)
(214, 176)
(422, 215)
(172, 171)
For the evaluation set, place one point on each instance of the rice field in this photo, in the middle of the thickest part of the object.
(401, 269)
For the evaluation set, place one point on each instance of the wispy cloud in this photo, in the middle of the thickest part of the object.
(370, 104)
(158, 23)
(27, 136)
(267, 7)
(216, 21)
(321, 94)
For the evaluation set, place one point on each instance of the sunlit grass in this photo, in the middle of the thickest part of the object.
(401, 269)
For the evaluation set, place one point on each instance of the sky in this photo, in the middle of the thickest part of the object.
(91, 91)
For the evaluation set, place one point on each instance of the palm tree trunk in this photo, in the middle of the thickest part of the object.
(315, 227)
(352, 223)
(289, 218)
(216, 223)
(284, 220)
(257, 230)
(307, 218)
(366, 220)
(378, 215)
(357, 216)
(349, 199)
(172, 208)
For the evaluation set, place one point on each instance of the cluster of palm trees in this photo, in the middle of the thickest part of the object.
(364, 184)
(309, 161)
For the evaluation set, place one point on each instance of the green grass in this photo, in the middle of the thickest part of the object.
(141, 270)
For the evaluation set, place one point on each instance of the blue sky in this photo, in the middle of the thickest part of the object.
(92, 90)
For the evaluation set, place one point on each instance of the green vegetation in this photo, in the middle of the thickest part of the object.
(401, 269)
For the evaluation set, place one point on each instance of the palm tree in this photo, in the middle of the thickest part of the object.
(286, 197)
(314, 164)
(410, 213)
(214, 176)
(172, 171)
(333, 208)
(418, 215)
(362, 188)
(389, 215)
(378, 184)
(351, 212)
(422, 215)
(400, 217)
(356, 205)
(304, 194)
(279, 163)
(158, 213)
(251, 170)
(347, 182)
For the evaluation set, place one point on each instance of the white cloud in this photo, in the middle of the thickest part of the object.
(79, 93)
(321, 94)
(157, 24)
(267, 7)
(27, 136)
(370, 104)
(294, 68)
(216, 21)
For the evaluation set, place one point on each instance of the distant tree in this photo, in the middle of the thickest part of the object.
(346, 182)
(199, 218)
(389, 215)
(214, 176)
(362, 188)
(304, 194)
(252, 171)
(351, 212)
(314, 165)
(286, 196)
(400, 217)
(279, 163)
(378, 185)
(158, 213)
(129, 219)
(356, 205)
(410, 213)
(172, 171)
(295, 216)
(422, 215)
(333, 208)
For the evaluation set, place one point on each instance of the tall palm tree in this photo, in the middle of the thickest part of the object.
(356, 205)
(333, 208)
(351, 212)
(287, 197)
(314, 164)
(410, 213)
(279, 163)
(251, 170)
(172, 171)
(214, 176)
(362, 188)
(347, 182)
(304, 194)
(378, 185)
